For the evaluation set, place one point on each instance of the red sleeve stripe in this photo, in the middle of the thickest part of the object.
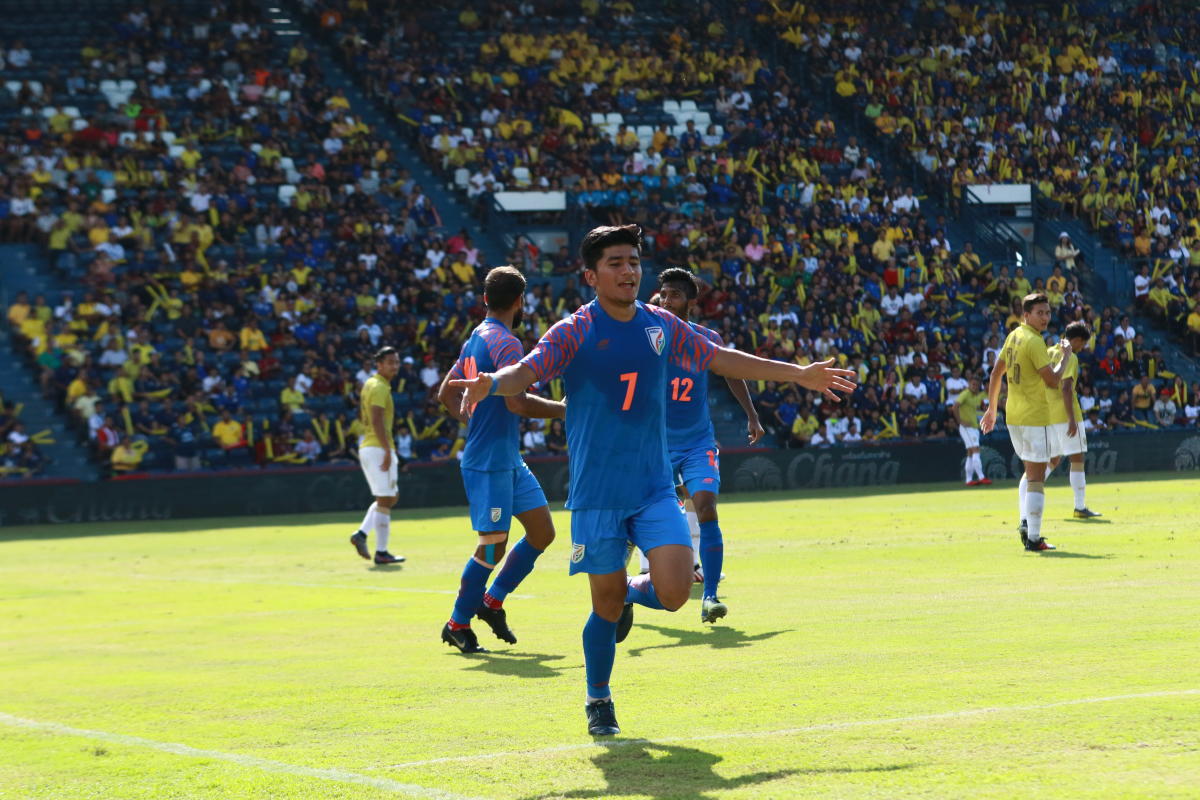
(558, 346)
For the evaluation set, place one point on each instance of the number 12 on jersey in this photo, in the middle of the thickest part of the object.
(681, 389)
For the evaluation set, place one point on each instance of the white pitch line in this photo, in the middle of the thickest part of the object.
(303, 585)
(826, 726)
(253, 762)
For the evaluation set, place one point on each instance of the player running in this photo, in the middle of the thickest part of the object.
(966, 410)
(499, 485)
(613, 354)
(379, 466)
(1025, 361)
(1067, 437)
(691, 442)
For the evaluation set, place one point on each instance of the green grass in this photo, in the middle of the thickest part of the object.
(880, 644)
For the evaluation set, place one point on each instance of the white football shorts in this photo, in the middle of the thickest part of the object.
(1031, 442)
(383, 484)
(1063, 445)
(970, 436)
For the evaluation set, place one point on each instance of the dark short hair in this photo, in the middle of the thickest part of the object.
(502, 287)
(384, 352)
(606, 236)
(679, 276)
(1078, 330)
(1031, 300)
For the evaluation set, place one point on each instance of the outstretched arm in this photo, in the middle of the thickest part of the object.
(508, 382)
(741, 393)
(821, 376)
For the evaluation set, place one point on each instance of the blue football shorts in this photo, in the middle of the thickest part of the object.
(496, 496)
(600, 536)
(700, 468)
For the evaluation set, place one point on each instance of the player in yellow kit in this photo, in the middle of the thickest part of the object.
(1025, 362)
(966, 410)
(375, 456)
(1067, 437)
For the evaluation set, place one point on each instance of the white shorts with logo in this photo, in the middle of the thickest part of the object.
(1063, 445)
(383, 484)
(1032, 443)
(970, 436)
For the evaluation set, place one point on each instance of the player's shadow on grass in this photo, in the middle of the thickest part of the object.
(1092, 521)
(718, 638)
(1069, 554)
(518, 665)
(645, 768)
(386, 568)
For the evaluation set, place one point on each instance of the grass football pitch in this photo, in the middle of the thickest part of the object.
(884, 643)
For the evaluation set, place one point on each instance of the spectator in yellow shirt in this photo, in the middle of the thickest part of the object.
(1160, 298)
(126, 457)
(468, 18)
(1193, 323)
(803, 428)
(20, 310)
(1143, 399)
(291, 398)
(252, 337)
(229, 433)
(77, 388)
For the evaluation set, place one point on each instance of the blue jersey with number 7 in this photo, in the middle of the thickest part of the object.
(615, 375)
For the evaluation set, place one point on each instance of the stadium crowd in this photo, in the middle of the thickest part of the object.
(1100, 116)
(805, 247)
(238, 240)
(241, 241)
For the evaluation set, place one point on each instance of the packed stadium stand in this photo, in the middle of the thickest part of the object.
(216, 212)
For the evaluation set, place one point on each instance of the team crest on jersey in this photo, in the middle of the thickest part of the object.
(495, 515)
(658, 339)
(577, 553)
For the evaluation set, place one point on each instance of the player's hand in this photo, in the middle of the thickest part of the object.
(1072, 428)
(988, 422)
(824, 377)
(1065, 344)
(755, 430)
(474, 390)
(386, 466)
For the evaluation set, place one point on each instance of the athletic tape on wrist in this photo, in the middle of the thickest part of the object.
(495, 385)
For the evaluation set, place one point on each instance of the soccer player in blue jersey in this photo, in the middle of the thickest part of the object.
(499, 485)
(691, 441)
(613, 355)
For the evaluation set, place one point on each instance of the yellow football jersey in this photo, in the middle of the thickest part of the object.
(969, 403)
(1058, 412)
(376, 392)
(1024, 355)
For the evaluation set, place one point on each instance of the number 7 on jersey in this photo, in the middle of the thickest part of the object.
(630, 378)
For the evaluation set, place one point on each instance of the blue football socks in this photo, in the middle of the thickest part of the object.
(640, 590)
(599, 650)
(470, 592)
(516, 568)
(712, 555)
